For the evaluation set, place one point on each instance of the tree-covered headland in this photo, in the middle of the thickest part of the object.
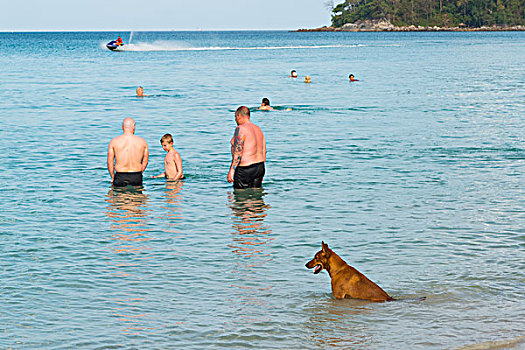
(441, 13)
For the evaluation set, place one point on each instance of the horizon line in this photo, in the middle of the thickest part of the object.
(139, 30)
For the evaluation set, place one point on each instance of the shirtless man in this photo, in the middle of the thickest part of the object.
(248, 148)
(127, 156)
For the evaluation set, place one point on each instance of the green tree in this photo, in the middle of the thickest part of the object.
(474, 13)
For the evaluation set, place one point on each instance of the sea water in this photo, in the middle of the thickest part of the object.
(414, 175)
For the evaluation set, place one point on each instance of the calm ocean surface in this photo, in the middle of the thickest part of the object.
(415, 176)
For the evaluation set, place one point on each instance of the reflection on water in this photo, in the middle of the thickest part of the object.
(128, 210)
(251, 239)
(249, 211)
(172, 197)
(335, 324)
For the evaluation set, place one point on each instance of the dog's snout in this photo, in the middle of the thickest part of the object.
(309, 264)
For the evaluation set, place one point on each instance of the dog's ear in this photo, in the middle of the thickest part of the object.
(325, 246)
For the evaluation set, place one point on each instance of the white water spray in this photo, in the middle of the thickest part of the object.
(179, 46)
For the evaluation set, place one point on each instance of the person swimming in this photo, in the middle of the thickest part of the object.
(351, 77)
(293, 74)
(307, 79)
(265, 105)
(140, 92)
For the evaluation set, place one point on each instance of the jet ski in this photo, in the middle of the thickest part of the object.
(114, 46)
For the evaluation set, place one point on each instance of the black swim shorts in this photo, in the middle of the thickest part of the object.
(127, 179)
(249, 176)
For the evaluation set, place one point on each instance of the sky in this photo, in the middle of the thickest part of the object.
(109, 15)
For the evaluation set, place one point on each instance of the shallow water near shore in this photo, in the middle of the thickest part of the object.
(414, 175)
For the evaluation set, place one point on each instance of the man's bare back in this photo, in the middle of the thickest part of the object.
(254, 150)
(127, 153)
(248, 148)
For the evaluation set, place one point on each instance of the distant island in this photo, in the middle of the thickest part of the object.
(426, 15)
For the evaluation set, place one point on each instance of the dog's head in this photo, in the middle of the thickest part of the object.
(320, 260)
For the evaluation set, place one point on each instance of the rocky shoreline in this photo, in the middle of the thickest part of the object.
(386, 26)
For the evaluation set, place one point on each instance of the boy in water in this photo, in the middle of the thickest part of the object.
(172, 161)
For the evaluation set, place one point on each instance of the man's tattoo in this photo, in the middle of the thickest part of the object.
(236, 134)
(238, 146)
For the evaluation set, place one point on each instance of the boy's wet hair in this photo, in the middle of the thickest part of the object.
(265, 101)
(166, 138)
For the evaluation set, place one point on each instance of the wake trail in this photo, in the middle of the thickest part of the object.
(170, 46)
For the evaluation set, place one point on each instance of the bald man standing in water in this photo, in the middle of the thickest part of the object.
(127, 156)
(248, 148)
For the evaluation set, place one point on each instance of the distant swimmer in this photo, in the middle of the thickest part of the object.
(265, 105)
(248, 148)
(307, 79)
(128, 156)
(293, 74)
(351, 77)
(172, 161)
(140, 92)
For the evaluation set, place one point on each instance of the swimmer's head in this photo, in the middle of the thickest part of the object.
(265, 102)
(128, 124)
(307, 79)
(166, 141)
(351, 77)
(293, 74)
(140, 91)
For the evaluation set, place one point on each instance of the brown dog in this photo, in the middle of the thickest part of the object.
(347, 282)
